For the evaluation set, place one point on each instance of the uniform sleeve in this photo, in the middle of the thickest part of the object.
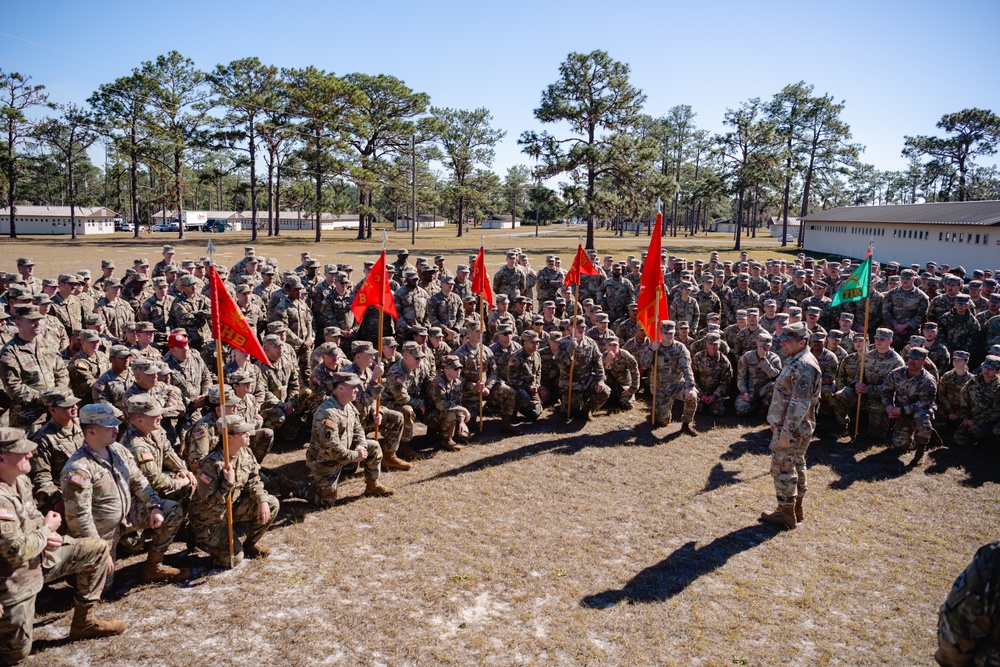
(10, 373)
(925, 397)
(805, 383)
(330, 447)
(138, 483)
(966, 617)
(889, 390)
(743, 376)
(16, 547)
(771, 365)
(212, 486)
(146, 462)
(254, 485)
(78, 494)
(45, 488)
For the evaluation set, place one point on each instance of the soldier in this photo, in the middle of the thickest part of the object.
(295, 313)
(106, 495)
(190, 312)
(110, 388)
(942, 303)
(116, 311)
(878, 364)
(168, 258)
(904, 309)
(250, 307)
(981, 406)
(336, 307)
(143, 347)
(411, 304)
(156, 309)
(908, 395)
(797, 290)
(33, 553)
(402, 264)
(87, 365)
(57, 440)
(684, 308)
(621, 370)
(755, 373)
(248, 408)
(792, 417)
(282, 395)
(503, 349)
(337, 441)
(189, 374)
(747, 337)
(674, 378)
(742, 298)
(146, 375)
(959, 328)
(463, 288)
(66, 306)
(405, 385)
(155, 458)
(239, 478)
(969, 620)
(447, 413)
(389, 422)
(205, 432)
(446, 312)
(550, 280)
(524, 375)
(510, 279)
(708, 301)
(948, 415)
(712, 374)
(28, 367)
(828, 364)
(481, 378)
(616, 294)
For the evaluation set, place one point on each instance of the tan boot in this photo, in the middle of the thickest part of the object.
(799, 516)
(155, 570)
(392, 462)
(449, 444)
(373, 488)
(255, 551)
(86, 626)
(784, 516)
(688, 427)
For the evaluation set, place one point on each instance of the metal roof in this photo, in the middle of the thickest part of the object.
(984, 213)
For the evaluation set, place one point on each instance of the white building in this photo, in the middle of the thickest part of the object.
(955, 233)
(794, 225)
(237, 220)
(500, 222)
(423, 222)
(55, 220)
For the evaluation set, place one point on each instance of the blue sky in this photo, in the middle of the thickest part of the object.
(898, 65)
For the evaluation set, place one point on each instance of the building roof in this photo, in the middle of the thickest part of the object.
(60, 211)
(984, 213)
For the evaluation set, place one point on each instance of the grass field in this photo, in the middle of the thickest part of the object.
(602, 543)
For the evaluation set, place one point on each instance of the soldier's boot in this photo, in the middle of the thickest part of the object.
(85, 625)
(450, 445)
(688, 427)
(799, 516)
(154, 570)
(392, 462)
(373, 488)
(784, 516)
(407, 453)
(255, 551)
(507, 427)
(286, 486)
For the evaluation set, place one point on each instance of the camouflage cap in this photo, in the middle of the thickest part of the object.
(99, 414)
(144, 327)
(413, 348)
(88, 335)
(25, 261)
(15, 441)
(238, 377)
(992, 362)
(817, 337)
(107, 263)
(883, 333)
(847, 316)
(237, 424)
(41, 299)
(59, 397)
(333, 331)
(918, 341)
(668, 326)
(349, 378)
(602, 317)
(418, 330)
(794, 310)
(713, 337)
(273, 340)
(292, 282)
(329, 349)
(120, 352)
(794, 331)
(473, 325)
(764, 337)
(504, 329)
(143, 404)
(960, 354)
(213, 395)
(363, 347)
(70, 278)
(835, 334)
(389, 341)
(188, 280)
(275, 327)
(529, 336)
(917, 352)
(435, 332)
(451, 361)
(145, 366)
(27, 312)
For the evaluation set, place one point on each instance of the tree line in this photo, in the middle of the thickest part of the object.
(256, 138)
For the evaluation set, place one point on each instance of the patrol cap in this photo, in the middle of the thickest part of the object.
(369, 265)
(602, 317)
(995, 297)
(504, 329)
(764, 337)
(141, 261)
(41, 299)
(70, 278)
(836, 334)
(84, 274)
(529, 336)
(418, 330)
(960, 354)
(883, 333)
(244, 289)
(237, 424)
(448, 280)
(363, 347)
(143, 404)
(59, 397)
(99, 414)
(555, 335)
(847, 316)
(107, 263)
(329, 349)
(753, 311)
(770, 303)
(25, 261)
(992, 362)
(272, 339)
(276, 327)
(741, 314)
(238, 377)
(707, 278)
(187, 280)
(502, 298)
(389, 341)
(462, 268)
(817, 337)
(88, 335)
(473, 325)
(578, 321)
(292, 282)
(144, 327)
(403, 253)
(469, 299)
(713, 337)
(668, 326)
(268, 271)
(15, 441)
(146, 366)
(549, 304)
(819, 284)
(313, 264)
(451, 361)
(907, 273)
(349, 378)
(794, 331)
(159, 281)
(917, 341)
(414, 349)
(917, 352)
(27, 311)
(813, 310)
(963, 299)
(120, 352)
(683, 324)
(213, 395)
(333, 331)
(794, 310)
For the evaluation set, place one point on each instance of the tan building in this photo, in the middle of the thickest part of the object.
(55, 220)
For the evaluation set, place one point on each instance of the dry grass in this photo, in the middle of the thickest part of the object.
(596, 544)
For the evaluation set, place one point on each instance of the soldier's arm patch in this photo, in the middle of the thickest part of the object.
(79, 480)
(6, 513)
(205, 478)
(199, 433)
(330, 424)
(81, 364)
(146, 456)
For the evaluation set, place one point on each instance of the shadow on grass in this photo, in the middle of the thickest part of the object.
(669, 577)
(719, 477)
(751, 443)
(979, 465)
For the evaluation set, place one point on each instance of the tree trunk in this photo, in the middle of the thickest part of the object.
(253, 181)
(739, 220)
(277, 198)
(72, 198)
(461, 215)
(270, 193)
(180, 194)
(11, 182)
(371, 216)
(591, 177)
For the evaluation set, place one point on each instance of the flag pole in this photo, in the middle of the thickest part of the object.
(482, 332)
(381, 314)
(572, 359)
(864, 348)
(656, 352)
(225, 445)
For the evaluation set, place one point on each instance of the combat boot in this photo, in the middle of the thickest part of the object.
(86, 626)
(784, 516)
(799, 516)
(286, 486)
(373, 488)
(688, 427)
(154, 570)
(392, 462)
(408, 453)
(507, 427)
(450, 445)
(255, 551)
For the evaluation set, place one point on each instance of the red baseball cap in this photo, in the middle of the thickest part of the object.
(177, 340)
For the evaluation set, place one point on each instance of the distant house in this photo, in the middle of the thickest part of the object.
(794, 225)
(55, 220)
(423, 222)
(291, 220)
(955, 233)
(500, 222)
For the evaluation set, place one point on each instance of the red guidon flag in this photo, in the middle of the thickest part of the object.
(375, 291)
(581, 266)
(228, 323)
(480, 280)
(651, 288)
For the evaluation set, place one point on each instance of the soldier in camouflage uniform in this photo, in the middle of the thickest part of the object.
(797, 289)
(948, 414)
(550, 280)
(57, 440)
(755, 375)
(958, 328)
(411, 304)
(28, 367)
(908, 395)
(549, 392)
(146, 376)
(616, 294)
(828, 364)
(110, 388)
(500, 317)
(87, 365)
(942, 303)
(116, 311)
(253, 508)
(405, 383)
(937, 352)
(969, 619)
(981, 406)
(621, 371)
(447, 413)
(674, 377)
(904, 309)
(294, 312)
(510, 279)
(446, 310)
(66, 306)
(33, 553)
(712, 374)
(336, 307)
(338, 440)
(708, 301)
(878, 364)
(156, 309)
(390, 422)
(792, 417)
(524, 375)
(685, 309)
(190, 312)
(741, 298)
(282, 397)
(205, 432)
(484, 380)
(107, 496)
(155, 458)
(503, 349)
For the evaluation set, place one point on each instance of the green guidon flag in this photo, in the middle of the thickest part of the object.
(857, 286)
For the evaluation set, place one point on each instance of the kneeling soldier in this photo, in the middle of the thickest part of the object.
(447, 414)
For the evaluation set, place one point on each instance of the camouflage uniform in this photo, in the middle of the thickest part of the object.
(27, 565)
(336, 311)
(622, 375)
(712, 375)
(968, 631)
(446, 399)
(590, 391)
(411, 305)
(828, 364)
(54, 334)
(939, 353)
(746, 340)
(191, 314)
(157, 460)
(300, 335)
(991, 332)
(792, 416)
(548, 392)
(755, 376)
(550, 280)
(100, 494)
(915, 395)
(510, 281)
(84, 372)
(524, 375)
(686, 311)
(68, 311)
(28, 369)
(616, 295)
(208, 506)
(201, 439)
(156, 311)
(707, 303)
(446, 311)
(949, 399)
(281, 381)
(900, 306)
(959, 332)
(502, 356)
(938, 306)
(55, 445)
(116, 316)
(877, 368)
(674, 376)
(501, 397)
(406, 389)
(981, 404)
(110, 388)
(391, 428)
(336, 435)
(738, 300)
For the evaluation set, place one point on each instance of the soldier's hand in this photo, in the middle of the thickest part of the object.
(155, 518)
(110, 568)
(784, 441)
(53, 541)
(967, 423)
(746, 397)
(362, 453)
(895, 412)
(465, 415)
(377, 371)
(860, 388)
(377, 418)
(654, 345)
(690, 395)
(200, 402)
(229, 475)
(264, 513)
(952, 417)
(53, 520)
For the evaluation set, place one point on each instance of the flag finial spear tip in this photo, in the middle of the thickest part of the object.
(385, 237)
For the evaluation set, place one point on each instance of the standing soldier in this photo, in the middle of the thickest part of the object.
(445, 310)
(708, 301)
(755, 375)
(968, 619)
(828, 364)
(411, 305)
(156, 309)
(878, 364)
(685, 309)
(616, 294)
(28, 367)
(712, 374)
(87, 365)
(294, 312)
(510, 279)
(190, 312)
(959, 328)
(904, 309)
(336, 308)
(949, 399)
(792, 417)
(168, 259)
(908, 395)
(981, 406)
(66, 306)
(674, 377)
(116, 311)
(550, 279)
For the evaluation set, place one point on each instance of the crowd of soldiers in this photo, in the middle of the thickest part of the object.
(114, 413)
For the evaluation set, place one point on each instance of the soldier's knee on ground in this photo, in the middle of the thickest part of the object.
(16, 631)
